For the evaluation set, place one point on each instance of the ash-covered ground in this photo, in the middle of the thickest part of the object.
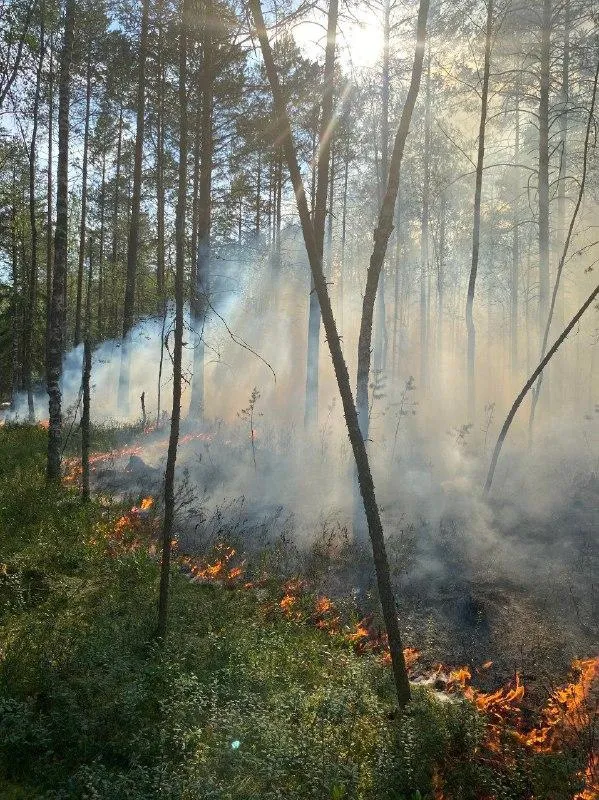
(510, 578)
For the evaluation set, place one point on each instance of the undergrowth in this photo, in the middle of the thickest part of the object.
(235, 705)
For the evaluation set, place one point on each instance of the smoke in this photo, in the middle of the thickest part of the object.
(535, 537)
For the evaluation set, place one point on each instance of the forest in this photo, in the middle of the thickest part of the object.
(299, 400)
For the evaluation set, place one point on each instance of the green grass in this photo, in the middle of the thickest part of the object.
(236, 705)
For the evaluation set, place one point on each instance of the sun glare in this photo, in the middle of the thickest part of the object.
(359, 41)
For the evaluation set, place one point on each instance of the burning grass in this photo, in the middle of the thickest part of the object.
(265, 689)
(570, 714)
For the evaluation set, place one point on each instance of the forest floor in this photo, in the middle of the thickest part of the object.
(258, 693)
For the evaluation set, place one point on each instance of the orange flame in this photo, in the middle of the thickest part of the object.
(567, 711)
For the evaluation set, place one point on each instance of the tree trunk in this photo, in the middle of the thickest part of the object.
(133, 243)
(201, 291)
(85, 387)
(83, 229)
(563, 164)
(329, 251)
(379, 338)
(160, 191)
(340, 294)
(15, 298)
(116, 214)
(558, 276)
(515, 271)
(424, 224)
(169, 478)
(32, 300)
(100, 319)
(54, 360)
(530, 382)
(195, 207)
(85, 420)
(396, 287)
(49, 197)
(441, 278)
(320, 209)
(385, 225)
(258, 193)
(341, 373)
(471, 331)
(545, 76)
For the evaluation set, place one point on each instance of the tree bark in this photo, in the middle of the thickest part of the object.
(116, 214)
(341, 372)
(379, 338)
(160, 190)
(515, 271)
(258, 194)
(32, 300)
(133, 243)
(341, 289)
(15, 297)
(563, 123)
(545, 76)
(471, 331)
(441, 277)
(320, 209)
(558, 276)
(396, 288)
(49, 197)
(85, 386)
(424, 225)
(54, 359)
(83, 229)
(384, 225)
(201, 291)
(169, 478)
(100, 318)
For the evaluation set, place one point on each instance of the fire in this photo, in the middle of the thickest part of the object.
(216, 570)
(360, 633)
(192, 437)
(287, 603)
(411, 656)
(44, 423)
(144, 507)
(323, 606)
(591, 780)
(567, 715)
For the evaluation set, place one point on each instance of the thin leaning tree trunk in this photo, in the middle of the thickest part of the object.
(530, 382)
(54, 358)
(169, 478)
(340, 367)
